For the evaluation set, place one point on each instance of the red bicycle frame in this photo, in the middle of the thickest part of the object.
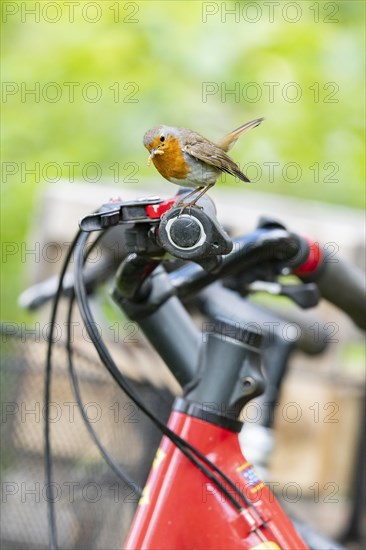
(181, 508)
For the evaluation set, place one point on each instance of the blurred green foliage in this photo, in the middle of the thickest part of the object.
(155, 62)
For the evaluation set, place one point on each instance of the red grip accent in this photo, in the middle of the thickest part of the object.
(313, 261)
(155, 211)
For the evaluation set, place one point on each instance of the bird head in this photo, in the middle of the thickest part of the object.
(159, 140)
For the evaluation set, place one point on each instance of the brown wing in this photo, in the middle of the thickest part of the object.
(206, 151)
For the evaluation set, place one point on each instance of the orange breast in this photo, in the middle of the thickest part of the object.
(172, 163)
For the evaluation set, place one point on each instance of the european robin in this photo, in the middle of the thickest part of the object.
(186, 158)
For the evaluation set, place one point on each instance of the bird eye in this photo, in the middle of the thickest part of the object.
(162, 138)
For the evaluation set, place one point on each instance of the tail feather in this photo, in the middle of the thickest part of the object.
(229, 140)
(238, 173)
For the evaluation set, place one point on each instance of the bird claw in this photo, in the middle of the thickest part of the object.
(184, 206)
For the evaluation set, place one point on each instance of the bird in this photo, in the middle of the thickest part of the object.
(186, 158)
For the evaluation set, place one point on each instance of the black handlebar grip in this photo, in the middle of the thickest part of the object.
(339, 282)
(343, 284)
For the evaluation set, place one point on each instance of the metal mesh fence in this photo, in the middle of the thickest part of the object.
(94, 509)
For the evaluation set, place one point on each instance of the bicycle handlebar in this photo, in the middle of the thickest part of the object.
(150, 231)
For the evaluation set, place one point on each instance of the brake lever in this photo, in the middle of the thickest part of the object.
(120, 212)
(304, 295)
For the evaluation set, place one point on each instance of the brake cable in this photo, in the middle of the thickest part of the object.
(48, 456)
(120, 472)
(47, 393)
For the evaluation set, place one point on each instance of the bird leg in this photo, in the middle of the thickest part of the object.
(204, 190)
(180, 202)
(201, 190)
